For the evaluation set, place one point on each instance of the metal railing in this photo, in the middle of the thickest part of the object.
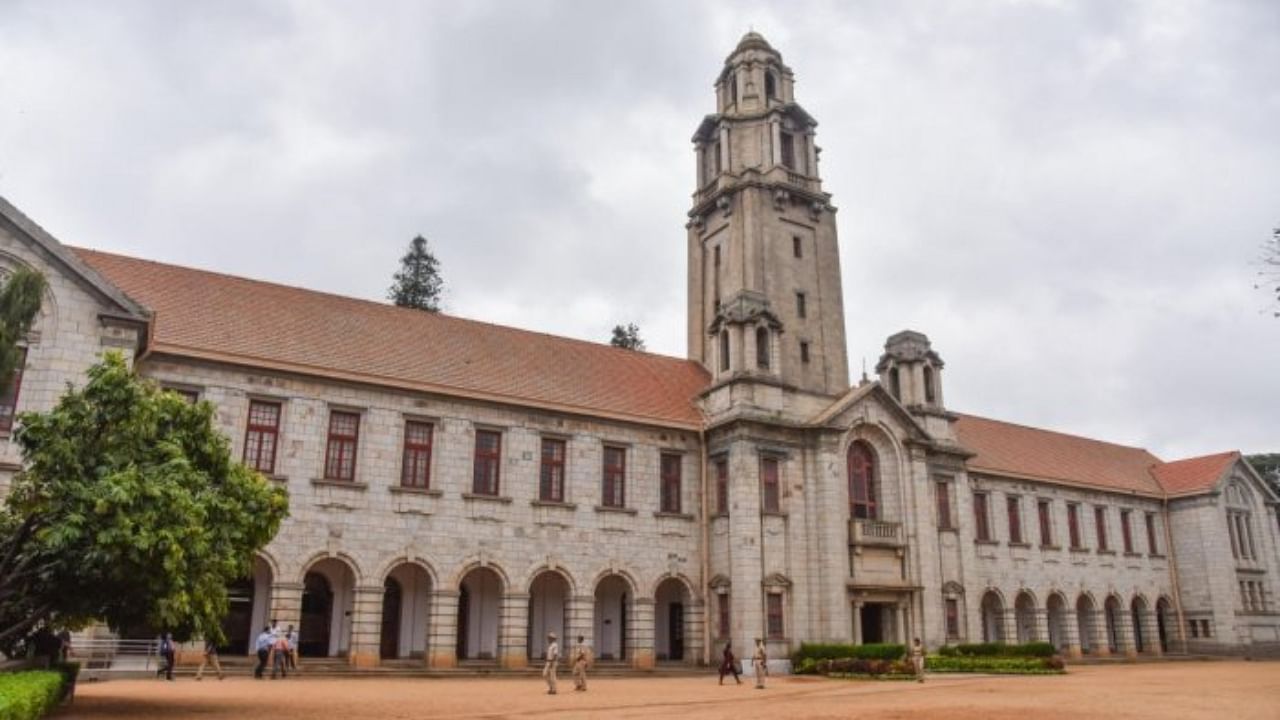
(875, 532)
(115, 655)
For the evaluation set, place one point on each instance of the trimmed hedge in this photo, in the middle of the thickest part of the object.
(29, 695)
(999, 665)
(836, 651)
(855, 667)
(1026, 650)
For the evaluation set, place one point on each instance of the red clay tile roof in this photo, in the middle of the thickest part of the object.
(1007, 449)
(1193, 474)
(230, 319)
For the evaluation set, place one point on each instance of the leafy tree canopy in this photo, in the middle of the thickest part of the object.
(131, 510)
(19, 305)
(418, 283)
(1268, 466)
(627, 337)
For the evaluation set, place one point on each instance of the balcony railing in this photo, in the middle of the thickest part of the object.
(875, 532)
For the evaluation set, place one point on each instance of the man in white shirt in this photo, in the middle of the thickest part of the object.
(553, 659)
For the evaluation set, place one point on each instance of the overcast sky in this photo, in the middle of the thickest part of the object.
(1066, 197)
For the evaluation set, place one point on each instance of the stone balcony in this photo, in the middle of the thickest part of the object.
(875, 533)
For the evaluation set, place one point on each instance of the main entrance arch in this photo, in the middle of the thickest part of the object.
(548, 613)
(406, 603)
(672, 603)
(328, 596)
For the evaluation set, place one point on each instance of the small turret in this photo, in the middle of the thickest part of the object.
(911, 371)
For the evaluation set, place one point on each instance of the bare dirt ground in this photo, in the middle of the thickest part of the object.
(1236, 690)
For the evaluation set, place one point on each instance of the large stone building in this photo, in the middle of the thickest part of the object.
(458, 488)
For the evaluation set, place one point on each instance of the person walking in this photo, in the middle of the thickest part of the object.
(292, 635)
(760, 663)
(553, 659)
(280, 656)
(263, 647)
(581, 659)
(167, 652)
(917, 659)
(729, 665)
(210, 658)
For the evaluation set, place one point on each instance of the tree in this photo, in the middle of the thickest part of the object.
(627, 337)
(1269, 269)
(131, 510)
(418, 283)
(19, 305)
(1268, 466)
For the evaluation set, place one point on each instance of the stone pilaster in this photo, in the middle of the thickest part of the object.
(580, 621)
(1151, 634)
(1010, 622)
(1101, 639)
(857, 622)
(286, 605)
(513, 631)
(1040, 625)
(366, 626)
(442, 630)
(694, 617)
(1070, 636)
(640, 633)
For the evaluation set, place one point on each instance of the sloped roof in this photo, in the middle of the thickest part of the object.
(1017, 450)
(232, 319)
(1195, 474)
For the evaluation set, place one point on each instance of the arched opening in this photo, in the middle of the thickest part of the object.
(724, 350)
(548, 612)
(406, 599)
(1137, 609)
(895, 384)
(992, 617)
(1112, 610)
(862, 481)
(478, 604)
(248, 604)
(328, 595)
(612, 616)
(1164, 620)
(670, 618)
(1025, 614)
(762, 348)
(770, 85)
(1057, 621)
(1085, 613)
(733, 89)
(930, 395)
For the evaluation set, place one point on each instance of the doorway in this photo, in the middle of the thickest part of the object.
(675, 624)
(392, 602)
(872, 620)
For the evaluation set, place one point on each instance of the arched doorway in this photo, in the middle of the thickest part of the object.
(479, 596)
(548, 613)
(992, 617)
(1113, 611)
(1164, 619)
(1057, 617)
(248, 603)
(671, 605)
(328, 595)
(1025, 613)
(1137, 611)
(1085, 614)
(614, 598)
(406, 600)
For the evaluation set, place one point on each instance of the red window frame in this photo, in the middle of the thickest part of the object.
(861, 463)
(415, 469)
(1153, 547)
(613, 490)
(771, 495)
(1046, 524)
(722, 615)
(1073, 526)
(776, 629)
(1014, 509)
(344, 441)
(722, 487)
(981, 517)
(486, 468)
(942, 496)
(9, 398)
(1100, 526)
(1126, 531)
(952, 610)
(551, 474)
(262, 436)
(670, 471)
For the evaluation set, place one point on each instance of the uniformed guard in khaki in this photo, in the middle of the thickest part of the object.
(760, 663)
(581, 659)
(553, 659)
(917, 659)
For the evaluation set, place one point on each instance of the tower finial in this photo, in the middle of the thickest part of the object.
(865, 379)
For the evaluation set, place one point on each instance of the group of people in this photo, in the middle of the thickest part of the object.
(760, 663)
(579, 659)
(276, 647)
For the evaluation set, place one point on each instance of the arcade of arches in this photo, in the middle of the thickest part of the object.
(484, 619)
(1115, 626)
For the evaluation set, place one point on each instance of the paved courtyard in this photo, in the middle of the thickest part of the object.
(1237, 690)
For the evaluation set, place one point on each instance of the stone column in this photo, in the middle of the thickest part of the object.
(857, 622)
(1124, 635)
(442, 630)
(286, 605)
(366, 627)
(813, 154)
(1101, 641)
(640, 633)
(1151, 633)
(724, 150)
(1070, 635)
(900, 619)
(581, 621)
(513, 630)
(775, 140)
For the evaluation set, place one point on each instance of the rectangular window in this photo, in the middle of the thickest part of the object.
(942, 496)
(1126, 531)
(487, 464)
(776, 629)
(613, 490)
(261, 435)
(340, 455)
(415, 471)
(796, 248)
(724, 350)
(769, 485)
(1152, 546)
(722, 487)
(1073, 526)
(953, 618)
(1100, 524)
(981, 518)
(1015, 518)
(722, 619)
(551, 475)
(1046, 523)
(804, 351)
(788, 150)
(9, 399)
(717, 256)
(670, 469)
(1232, 527)
(801, 310)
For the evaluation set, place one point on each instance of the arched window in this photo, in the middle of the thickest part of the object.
(724, 349)
(762, 348)
(770, 86)
(862, 481)
(1240, 522)
(928, 384)
(895, 384)
(733, 88)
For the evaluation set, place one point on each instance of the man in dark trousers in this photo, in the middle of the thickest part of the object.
(167, 653)
(263, 646)
(729, 665)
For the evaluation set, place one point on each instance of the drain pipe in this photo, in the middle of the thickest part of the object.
(705, 563)
(1173, 577)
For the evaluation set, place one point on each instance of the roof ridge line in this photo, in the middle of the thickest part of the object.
(1060, 432)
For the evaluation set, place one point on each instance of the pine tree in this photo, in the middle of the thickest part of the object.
(627, 337)
(418, 283)
(19, 304)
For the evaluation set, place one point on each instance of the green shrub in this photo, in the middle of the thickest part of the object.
(1032, 650)
(993, 664)
(835, 651)
(29, 695)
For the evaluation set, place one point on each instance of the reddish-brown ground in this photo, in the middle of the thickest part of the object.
(1236, 690)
